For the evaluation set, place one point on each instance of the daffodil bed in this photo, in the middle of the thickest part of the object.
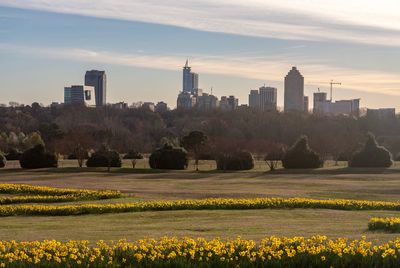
(196, 204)
(386, 224)
(317, 251)
(22, 193)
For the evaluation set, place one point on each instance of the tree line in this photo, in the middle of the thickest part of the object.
(72, 129)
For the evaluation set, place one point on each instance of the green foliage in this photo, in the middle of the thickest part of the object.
(236, 160)
(169, 157)
(104, 157)
(300, 155)
(372, 155)
(38, 157)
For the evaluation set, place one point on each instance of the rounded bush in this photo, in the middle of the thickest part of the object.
(3, 160)
(104, 158)
(13, 154)
(372, 155)
(133, 155)
(239, 160)
(300, 156)
(169, 157)
(38, 157)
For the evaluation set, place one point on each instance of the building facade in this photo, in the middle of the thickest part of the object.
(254, 99)
(207, 102)
(294, 91)
(306, 104)
(268, 98)
(382, 113)
(98, 80)
(186, 100)
(190, 80)
(343, 107)
(74, 95)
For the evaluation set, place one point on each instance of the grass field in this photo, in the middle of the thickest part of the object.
(144, 184)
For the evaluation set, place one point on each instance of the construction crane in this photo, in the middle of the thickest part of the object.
(330, 83)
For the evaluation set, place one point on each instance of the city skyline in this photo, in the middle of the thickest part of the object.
(52, 52)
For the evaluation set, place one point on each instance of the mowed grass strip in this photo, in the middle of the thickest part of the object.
(201, 204)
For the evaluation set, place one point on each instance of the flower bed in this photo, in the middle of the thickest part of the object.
(318, 251)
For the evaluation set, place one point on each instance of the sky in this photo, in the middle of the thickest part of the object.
(235, 46)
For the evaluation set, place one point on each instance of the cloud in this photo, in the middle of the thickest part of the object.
(259, 68)
(356, 21)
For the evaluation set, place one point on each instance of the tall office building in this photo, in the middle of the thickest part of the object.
(268, 98)
(306, 104)
(74, 95)
(97, 79)
(254, 99)
(294, 91)
(190, 79)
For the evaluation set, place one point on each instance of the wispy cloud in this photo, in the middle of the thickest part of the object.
(359, 21)
(372, 81)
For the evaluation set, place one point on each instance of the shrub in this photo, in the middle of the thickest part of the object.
(169, 157)
(132, 154)
(275, 155)
(104, 158)
(300, 155)
(372, 155)
(38, 157)
(13, 154)
(239, 160)
(3, 160)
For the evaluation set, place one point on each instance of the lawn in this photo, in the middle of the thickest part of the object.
(330, 182)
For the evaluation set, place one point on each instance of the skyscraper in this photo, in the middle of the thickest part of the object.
(190, 79)
(254, 99)
(74, 95)
(294, 91)
(97, 79)
(268, 98)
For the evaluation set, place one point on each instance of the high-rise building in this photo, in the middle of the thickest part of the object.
(254, 99)
(186, 100)
(74, 95)
(268, 98)
(319, 97)
(207, 102)
(190, 79)
(342, 107)
(294, 91)
(382, 113)
(97, 79)
(306, 104)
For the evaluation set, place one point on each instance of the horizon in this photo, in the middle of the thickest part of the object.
(53, 44)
